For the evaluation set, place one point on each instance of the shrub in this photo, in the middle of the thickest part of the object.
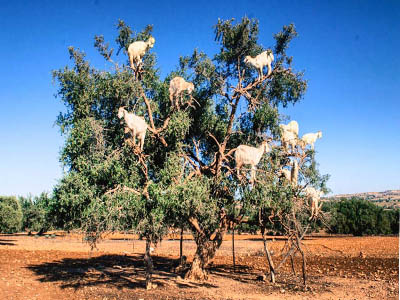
(10, 214)
(394, 217)
(34, 212)
(361, 217)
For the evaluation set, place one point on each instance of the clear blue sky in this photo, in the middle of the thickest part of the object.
(348, 49)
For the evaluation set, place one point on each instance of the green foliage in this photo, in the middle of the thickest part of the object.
(180, 177)
(95, 194)
(34, 212)
(250, 228)
(10, 214)
(193, 199)
(236, 40)
(71, 196)
(361, 217)
(177, 131)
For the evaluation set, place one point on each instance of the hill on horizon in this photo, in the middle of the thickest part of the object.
(387, 199)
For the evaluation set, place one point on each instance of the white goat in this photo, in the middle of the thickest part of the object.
(137, 50)
(285, 173)
(313, 196)
(247, 155)
(292, 174)
(310, 139)
(289, 138)
(260, 61)
(176, 87)
(136, 124)
(293, 126)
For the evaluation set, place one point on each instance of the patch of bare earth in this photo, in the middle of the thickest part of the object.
(63, 267)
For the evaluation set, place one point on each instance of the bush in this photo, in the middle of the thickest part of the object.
(34, 212)
(361, 217)
(10, 215)
(247, 228)
(394, 217)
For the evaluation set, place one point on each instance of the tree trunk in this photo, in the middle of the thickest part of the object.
(42, 231)
(207, 246)
(181, 246)
(269, 258)
(266, 250)
(292, 250)
(149, 264)
(292, 261)
(304, 267)
(205, 252)
(233, 249)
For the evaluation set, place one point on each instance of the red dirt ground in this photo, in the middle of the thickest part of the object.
(63, 267)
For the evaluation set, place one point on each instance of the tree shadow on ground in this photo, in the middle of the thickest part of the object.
(7, 242)
(278, 238)
(284, 280)
(118, 271)
(242, 273)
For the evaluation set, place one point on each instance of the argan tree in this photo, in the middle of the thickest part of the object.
(186, 171)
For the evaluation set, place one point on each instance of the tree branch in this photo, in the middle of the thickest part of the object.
(193, 221)
(123, 189)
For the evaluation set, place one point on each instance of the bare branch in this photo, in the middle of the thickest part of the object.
(193, 221)
(123, 189)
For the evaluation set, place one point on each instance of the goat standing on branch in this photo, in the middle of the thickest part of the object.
(313, 196)
(289, 138)
(260, 61)
(138, 49)
(292, 174)
(176, 88)
(136, 124)
(293, 126)
(290, 134)
(310, 139)
(247, 155)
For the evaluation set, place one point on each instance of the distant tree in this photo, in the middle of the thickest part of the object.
(394, 218)
(34, 212)
(360, 217)
(10, 214)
